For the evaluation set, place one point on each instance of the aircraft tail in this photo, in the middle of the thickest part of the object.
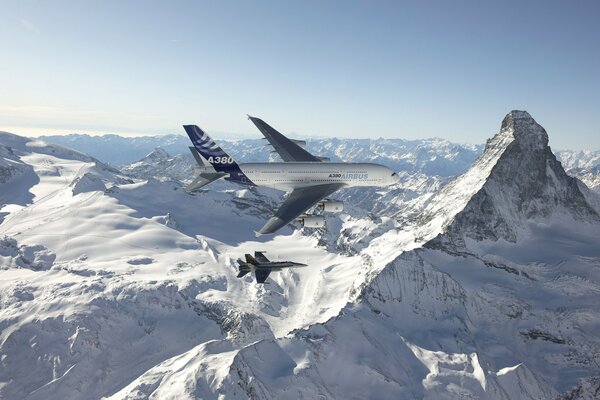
(209, 150)
(250, 259)
(199, 160)
(244, 268)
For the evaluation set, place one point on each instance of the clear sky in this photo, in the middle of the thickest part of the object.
(415, 69)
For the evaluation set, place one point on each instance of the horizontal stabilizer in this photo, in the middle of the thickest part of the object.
(204, 179)
(242, 272)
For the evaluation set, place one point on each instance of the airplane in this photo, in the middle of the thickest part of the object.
(262, 267)
(308, 179)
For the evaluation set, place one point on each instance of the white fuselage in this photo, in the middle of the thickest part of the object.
(291, 175)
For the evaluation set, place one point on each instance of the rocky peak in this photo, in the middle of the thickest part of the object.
(157, 154)
(527, 133)
(525, 183)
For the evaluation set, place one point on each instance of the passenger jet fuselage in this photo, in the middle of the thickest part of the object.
(292, 175)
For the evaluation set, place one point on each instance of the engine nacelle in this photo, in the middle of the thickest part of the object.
(313, 221)
(301, 143)
(331, 206)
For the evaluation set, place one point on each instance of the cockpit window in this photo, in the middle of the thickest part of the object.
(394, 174)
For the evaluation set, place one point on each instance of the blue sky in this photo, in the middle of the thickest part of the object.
(450, 69)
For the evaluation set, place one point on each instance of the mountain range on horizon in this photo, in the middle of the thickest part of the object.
(476, 276)
(433, 156)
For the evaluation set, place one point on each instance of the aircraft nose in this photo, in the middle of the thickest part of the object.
(394, 178)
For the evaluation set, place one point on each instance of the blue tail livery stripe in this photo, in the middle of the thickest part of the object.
(203, 143)
(213, 153)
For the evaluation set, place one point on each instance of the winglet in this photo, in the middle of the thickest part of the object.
(257, 234)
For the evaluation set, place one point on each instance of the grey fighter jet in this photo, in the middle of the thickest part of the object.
(262, 267)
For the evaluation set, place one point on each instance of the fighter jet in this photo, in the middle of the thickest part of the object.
(262, 267)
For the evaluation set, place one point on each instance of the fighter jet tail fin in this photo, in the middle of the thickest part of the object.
(250, 259)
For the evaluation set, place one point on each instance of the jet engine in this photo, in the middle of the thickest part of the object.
(312, 221)
(331, 206)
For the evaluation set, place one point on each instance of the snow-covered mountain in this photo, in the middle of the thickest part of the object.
(160, 165)
(118, 150)
(584, 159)
(437, 159)
(121, 285)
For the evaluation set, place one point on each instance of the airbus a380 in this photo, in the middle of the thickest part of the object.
(308, 179)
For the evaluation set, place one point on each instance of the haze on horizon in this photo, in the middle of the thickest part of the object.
(346, 69)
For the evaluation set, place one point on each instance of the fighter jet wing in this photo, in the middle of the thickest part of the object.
(260, 257)
(262, 275)
(297, 202)
(288, 150)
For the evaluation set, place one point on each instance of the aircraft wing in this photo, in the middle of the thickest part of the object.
(262, 275)
(288, 150)
(297, 202)
(260, 257)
